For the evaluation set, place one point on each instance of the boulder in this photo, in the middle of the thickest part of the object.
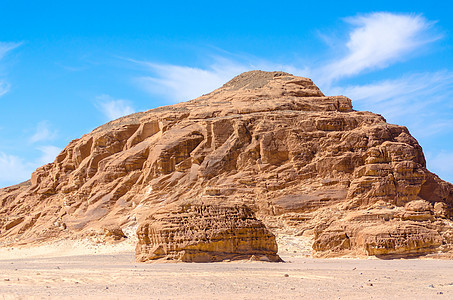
(205, 233)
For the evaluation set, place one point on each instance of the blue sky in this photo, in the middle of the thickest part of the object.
(67, 67)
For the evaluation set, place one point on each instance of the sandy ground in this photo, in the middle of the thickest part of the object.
(39, 273)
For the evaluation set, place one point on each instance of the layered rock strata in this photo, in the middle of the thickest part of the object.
(271, 142)
(205, 233)
(386, 231)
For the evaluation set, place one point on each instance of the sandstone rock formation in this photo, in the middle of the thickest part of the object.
(385, 232)
(266, 148)
(204, 233)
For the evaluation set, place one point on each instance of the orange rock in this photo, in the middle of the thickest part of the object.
(268, 140)
(205, 233)
(398, 239)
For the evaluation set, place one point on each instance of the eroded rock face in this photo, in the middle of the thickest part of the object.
(205, 233)
(267, 140)
(386, 231)
(399, 238)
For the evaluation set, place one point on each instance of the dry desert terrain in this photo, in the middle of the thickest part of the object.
(85, 271)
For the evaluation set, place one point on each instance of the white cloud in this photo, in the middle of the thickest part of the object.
(5, 48)
(419, 101)
(378, 40)
(181, 83)
(404, 90)
(4, 87)
(43, 133)
(14, 169)
(114, 108)
(49, 153)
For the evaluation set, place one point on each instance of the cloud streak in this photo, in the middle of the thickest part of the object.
(4, 87)
(413, 91)
(113, 108)
(180, 83)
(4, 49)
(424, 95)
(48, 154)
(378, 40)
(13, 169)
(43, 133)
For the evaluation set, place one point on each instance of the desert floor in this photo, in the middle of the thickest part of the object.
(112, 273)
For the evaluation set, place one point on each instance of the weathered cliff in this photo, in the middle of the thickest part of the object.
(269, 141)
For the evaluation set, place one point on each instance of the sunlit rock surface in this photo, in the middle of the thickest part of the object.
(267, 147)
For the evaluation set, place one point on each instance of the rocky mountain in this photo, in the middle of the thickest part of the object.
(218, 177)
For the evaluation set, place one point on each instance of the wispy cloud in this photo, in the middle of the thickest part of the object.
(48, 154)
(424, 95)
(4, 87)
(43, 132)
(13, 169)
(375, 41)
(378, 40)
(4, 49)
(180, 83)
(411, 91)
(113, 108)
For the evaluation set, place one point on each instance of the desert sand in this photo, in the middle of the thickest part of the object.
(83, 270)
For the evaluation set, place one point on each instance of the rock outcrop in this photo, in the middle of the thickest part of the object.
(266, 148)
(205, 233)
(386, 231)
